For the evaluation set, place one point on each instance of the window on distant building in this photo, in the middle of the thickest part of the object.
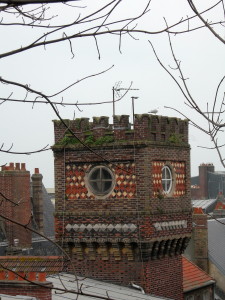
(167, 179)
(100, 180)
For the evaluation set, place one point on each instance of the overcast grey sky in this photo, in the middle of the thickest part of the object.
(51, 69)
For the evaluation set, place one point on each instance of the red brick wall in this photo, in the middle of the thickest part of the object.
(203, 179)
(40, 293)
(200, 236)
(164, 277)
(125, 185)
(15, 185)
(157, 277)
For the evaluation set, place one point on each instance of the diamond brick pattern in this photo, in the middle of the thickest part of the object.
(125, 180)
(180, 178)
(171, 225)
(101, 227)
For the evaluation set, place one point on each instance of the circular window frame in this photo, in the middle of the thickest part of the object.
(169, 192)
(92, 190)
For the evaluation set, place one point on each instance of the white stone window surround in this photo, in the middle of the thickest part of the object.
(100, 181)
(169, 180)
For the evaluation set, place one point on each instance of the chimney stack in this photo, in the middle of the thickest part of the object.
(37, 195)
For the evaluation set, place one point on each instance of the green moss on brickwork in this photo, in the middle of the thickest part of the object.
(69, 139)
(176, 139)
(99, 141)
(89, 140)
(103, 140)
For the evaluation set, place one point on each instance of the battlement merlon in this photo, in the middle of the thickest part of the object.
(146, 127)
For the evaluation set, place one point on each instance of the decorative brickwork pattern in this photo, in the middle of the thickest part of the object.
(102, 227)
(129, 234)
(179, 180)
(13, 284)
(125, 184)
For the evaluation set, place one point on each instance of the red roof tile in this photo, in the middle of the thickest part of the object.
(47, 264)
(197, 211)
(220, 205)
(193, 276)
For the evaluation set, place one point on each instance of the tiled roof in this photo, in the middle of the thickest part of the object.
(48, 214)
(193, 276)
(47, 264)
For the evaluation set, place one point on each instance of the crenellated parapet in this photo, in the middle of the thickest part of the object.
(146, 128)
(161, 129)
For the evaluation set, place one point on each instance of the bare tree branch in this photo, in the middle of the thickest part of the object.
(206, 23)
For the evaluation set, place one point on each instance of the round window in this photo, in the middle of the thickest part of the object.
(167, 179)
(100, 180)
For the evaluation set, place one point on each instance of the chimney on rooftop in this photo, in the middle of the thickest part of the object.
(37, 195)
(204, 169)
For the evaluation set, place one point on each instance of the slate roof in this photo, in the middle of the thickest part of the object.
(48, 214)
(47, 264)
(206, 205)
(95, 287)
(216, 243)
(194, 277)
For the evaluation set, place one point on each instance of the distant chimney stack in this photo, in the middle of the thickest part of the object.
(37, 199)
(200, 235)
(15, 185)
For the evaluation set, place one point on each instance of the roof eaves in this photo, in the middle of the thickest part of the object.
(210, 282)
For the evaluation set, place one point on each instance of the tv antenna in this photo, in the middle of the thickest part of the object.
(116, 92)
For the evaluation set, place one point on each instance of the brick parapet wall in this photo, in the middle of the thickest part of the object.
(146, 127)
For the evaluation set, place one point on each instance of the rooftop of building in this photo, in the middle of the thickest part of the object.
(95, 287)
(47, 264)
(207, 205)
(194, 277)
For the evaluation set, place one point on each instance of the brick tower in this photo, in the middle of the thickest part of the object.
(123, 208)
